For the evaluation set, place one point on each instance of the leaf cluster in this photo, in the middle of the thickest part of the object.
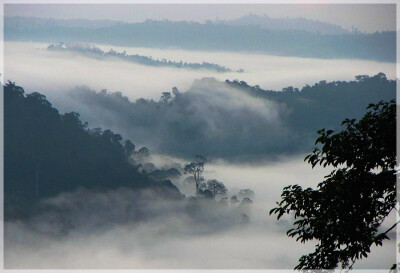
(345, 212)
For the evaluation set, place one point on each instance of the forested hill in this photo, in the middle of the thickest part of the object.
(95, 52)
(379, 46)
(287, 23)
(232, 120)
(326, 103)
(47, 153)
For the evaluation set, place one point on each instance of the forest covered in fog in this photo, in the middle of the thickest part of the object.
(255, 139)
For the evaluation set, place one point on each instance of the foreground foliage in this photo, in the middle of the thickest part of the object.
(345, 212)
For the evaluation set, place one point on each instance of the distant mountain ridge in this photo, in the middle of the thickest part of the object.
(299, 23)
(263, 21)
(379, 46)
(21, 22)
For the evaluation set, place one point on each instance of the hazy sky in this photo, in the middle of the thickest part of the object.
(366, 17)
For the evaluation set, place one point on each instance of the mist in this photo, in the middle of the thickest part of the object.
(107, 232)
(210, 117)
(51, 73)
(121, 228)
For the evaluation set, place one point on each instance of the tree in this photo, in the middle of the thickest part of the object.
(196, 168)
(246, 201)
(216, 187)
(246, 193)
(129, 148)
(234, 200)
(346, 210)
(47, 153)
(165, 97)
(144, 151)
(206, 193)
(362, 78)
(175, 91)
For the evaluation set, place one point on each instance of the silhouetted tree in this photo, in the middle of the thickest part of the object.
(206, 193)
(347, 209)
(234, 200)
(129, 148)
(196, 168)
(175, 91)
(165, 97)
(362, 77)
(216, 187)
(141, 156)
(144, 151)
(246, 193)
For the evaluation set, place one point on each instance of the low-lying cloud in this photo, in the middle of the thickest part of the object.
(116, 229)
(211, 118)
(108, 229)
(34, 68)
(101, 230)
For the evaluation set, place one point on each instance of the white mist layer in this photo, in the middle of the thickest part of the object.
(36, 69)
(261, 244)
(172, 240)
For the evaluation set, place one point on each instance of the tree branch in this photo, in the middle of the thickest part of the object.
(392, 227)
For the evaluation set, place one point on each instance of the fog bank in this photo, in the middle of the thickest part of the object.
(101, 238)
(51, 72)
